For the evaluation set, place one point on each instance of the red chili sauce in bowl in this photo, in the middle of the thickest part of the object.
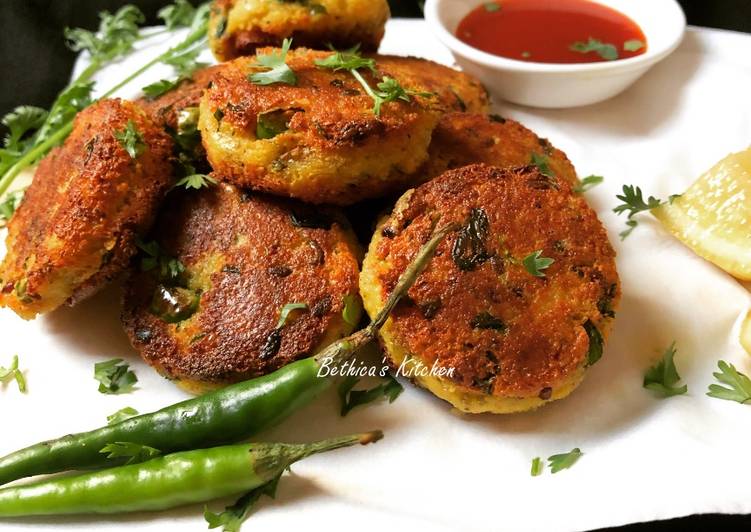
(552, 31)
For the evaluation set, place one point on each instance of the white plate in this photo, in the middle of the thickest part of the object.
(644, 458)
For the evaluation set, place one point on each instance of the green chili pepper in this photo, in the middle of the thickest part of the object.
(227, 415)
(167, 482)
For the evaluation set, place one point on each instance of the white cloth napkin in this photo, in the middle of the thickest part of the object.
(644, 458)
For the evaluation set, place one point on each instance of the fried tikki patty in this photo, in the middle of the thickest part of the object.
(239, 27)
(76, 226)
(462, 138)
(318, 140)
(516, 330)
(207, 311)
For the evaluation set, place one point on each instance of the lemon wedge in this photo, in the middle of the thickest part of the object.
(746, 333)
(713, 217)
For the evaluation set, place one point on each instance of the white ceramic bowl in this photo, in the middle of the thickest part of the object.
(561, 85)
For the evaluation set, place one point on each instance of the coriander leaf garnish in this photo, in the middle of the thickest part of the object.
(594, 353)
(279, 71)
(185, 62)
(387, 90)
(13, 372)
(168, 269)
(134, 452)
(634, 45)
(115, 37)
(232, 518)
(21, 122)
(542, 162)
(605, 50)
(195, 181)
(9, 205)
(177, 15)
(534, 263)
(121, 415)
(287, 310)
(537, 467)
(158, 88)
(588, 182)
(131, 140)
(633, 204)
(559, 462)
(492, 7)
(114, 376)
(663, 376)
(738, 384)
(390, 389)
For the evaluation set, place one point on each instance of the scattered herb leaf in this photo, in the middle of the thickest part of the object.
(169, 269)
(116, 35)
(279, 71)
(134, 452)
(195, 181)
(390, 389)
(537, 467)
(663, 376)
(559, 462)
(542, 162)
(605, 50)
(114, 376)
(121, 415)
(131, 140)
(633, 204)
(588, 182)
(232, 518)
(13, 372)
(534, 263)
(739, 385)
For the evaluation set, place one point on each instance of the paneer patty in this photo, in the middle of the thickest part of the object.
(318, 140)
(239, 27)
(76, 227)
(210, 310)
(516, 304)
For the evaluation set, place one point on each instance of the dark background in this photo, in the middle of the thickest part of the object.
(35, 66)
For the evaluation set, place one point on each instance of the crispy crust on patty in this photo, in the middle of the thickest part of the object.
(463, 138)
(334, 149)
(239, 27)
(75, 228)
(515, 340)
(246, 256)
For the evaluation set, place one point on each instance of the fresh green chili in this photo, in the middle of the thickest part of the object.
(227, 415)
(168, 481)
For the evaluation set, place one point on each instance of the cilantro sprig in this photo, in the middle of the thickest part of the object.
(9, 205)
(390, 389)
(663, 377)
(13, 372)
(633, 203)
(114, 376)
(387, 90)
(168, 269)
(278, 69)
(232, 518)
(737, 385)
(195, 181)
(114, 39)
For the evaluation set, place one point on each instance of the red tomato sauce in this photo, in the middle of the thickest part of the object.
(552, 31)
